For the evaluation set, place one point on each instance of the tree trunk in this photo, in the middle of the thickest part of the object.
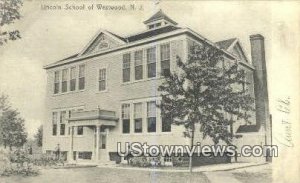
(192, 144)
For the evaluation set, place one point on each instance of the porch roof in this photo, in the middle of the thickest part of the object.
(93, 118)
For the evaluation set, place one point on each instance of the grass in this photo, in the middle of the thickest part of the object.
(250, 177)
(99, 175)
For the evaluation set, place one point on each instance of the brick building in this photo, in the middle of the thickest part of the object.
(107, 93)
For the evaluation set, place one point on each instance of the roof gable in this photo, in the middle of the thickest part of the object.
(238, 51)
(160, 15)
(225, 44)
(233, 46)
(102, 41)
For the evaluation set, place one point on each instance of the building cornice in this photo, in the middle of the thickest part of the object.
(141, 42)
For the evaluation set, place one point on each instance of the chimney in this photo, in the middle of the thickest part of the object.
(260, 85)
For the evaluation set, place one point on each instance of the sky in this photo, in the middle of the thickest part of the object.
(48, 36)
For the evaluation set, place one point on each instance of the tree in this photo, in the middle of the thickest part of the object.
(39, 136)
(4, 106)
(4, 103)
(205, 88)
(9, 13)
(12, 127)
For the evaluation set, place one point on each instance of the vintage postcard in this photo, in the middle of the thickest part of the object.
(149, 91)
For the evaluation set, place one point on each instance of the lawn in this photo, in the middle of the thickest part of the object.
(250, 177)
(90, 175)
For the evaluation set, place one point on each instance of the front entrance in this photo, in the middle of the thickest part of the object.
(103, 155)
(100, 121)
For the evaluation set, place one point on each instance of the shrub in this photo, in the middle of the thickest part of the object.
(47, 160)
(139, 162)
(4, 161)
(145, 161)
(19, 163)
(180, 161)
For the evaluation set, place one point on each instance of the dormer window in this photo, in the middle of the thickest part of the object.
(151, 26)
(156, 25)
(159, 19)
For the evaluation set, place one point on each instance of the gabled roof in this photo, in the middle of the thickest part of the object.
(159, 16)
(233, 46)
(151, 33)
(117, 39)
(225, 44)
(72, 56)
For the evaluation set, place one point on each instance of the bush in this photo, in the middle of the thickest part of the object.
(139, 162)
(19, 163)
(145, 161)
(180, 161)
(47, 160)
(4, 161)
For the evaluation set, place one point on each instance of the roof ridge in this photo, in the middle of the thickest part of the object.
(158, 16)
(149, 30)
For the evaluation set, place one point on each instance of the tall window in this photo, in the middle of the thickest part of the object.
(73, 79)
(64, 85)
(126, 118)
(151, 116)
(151, 62)
(126, 67)
(166, 124)
(165, 59)
(81, 77)
(138, 117)
(56, 82)
(102, 79)
(79, 130)
(138, 65)
(62, 122)
(54, 123)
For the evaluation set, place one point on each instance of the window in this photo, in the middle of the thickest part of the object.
(151, 62)
(138, 117)
(54, 123)
(79, 130)
(138, 65)
(126, 67)
(165, 59)
(151, 26)
(73, 79)
(102, 79)
(64, 85)
(56, 82)
(85, 155)
(126, 118)
(81, 77)
(63, 122)
(166, 124)
(158, 25)
(151, 116)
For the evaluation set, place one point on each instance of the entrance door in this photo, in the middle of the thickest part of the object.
(103, 145)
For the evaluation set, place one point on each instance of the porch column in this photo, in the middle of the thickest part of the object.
(97, 142)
